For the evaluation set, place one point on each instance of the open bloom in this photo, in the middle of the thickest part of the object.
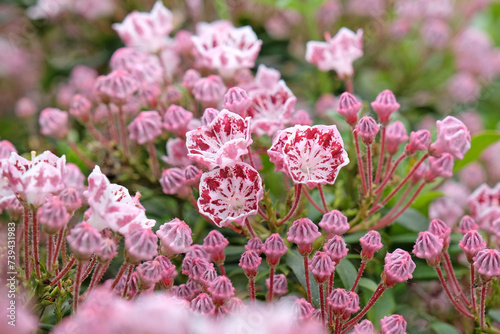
(221, 142)
(221, 46)
(453, 138)
(309, 155)
(337, 53)
(112, 206)
(230, 194)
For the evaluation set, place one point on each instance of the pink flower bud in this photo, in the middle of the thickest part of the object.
(338, 301)
(334, 223)
(173, 94)
(6, 148)
(168, 272)
(441, 230)
(303, 308)
(371, 242)
(250, 262)
(221, 289)
(116, 87)
(336, 248)
(487, 263)
(84, 240)
(214, 243)
(353, 305)
(71, 199)
(472, 243)
(364, 327)
(198, 251)
(149, 273)
(440, 167)
(428, 247)
(176, 119)
(301, 117)
(349, 107)
(467, 223)
(148, 94)
(453, 138)
(203, 304)
(303, 232)
(25, 107)
(172, 181)
(198, 268)
(394, 324)
(280, 285)
(140, 245)
(398, 267)
(175, 237)
(208, 276)
(321, 266)
(194, 286)
(233, 305)
(274, 248)
(79, 108)
(190, 78)
(54, 123)
(255, 244)
(367, 129)
(107, 251)
(396, 135)
(236, 100)
(384, 105)
(183, 292)
(192, 174)
(419, 141)
(419, 173)
(209, 91)
(53, 216)
(209, 115)
(187, 264)
(183, 42)
(145, 127)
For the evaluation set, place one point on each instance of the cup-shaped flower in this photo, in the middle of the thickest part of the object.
(371, 242)
(337, 53)
(84, 240)
(338, 300)
(149, 273)
(230, 194)
(453, 138)
(336, 248)
(303, 232)
(250, 262)
(398, 267)
(274, 248)
(309, 155)
(396, 135)
(214, 243)
(145, 127)
(220, 143)
(384, 105)
(141, 244)
(53, 215)
(280, 285)
(472, 243)
(367, 129)
(467, 223)
(429, 247)
(175, 237)
(334, 223)
(321, 266)
(221, 289)
(419, 141)
(394, 324)
(203, 304)
(54, 123)
(349, 107)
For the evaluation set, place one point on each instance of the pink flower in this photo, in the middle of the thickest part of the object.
(250, 262)
(173, 181)
(398, 267)
(338, 301)
(303, 308)
(440, 167)
(334, 223)
(54, 123)
(221, 289)
(220, 143)
(236, 100)
(53, 216)
(177, 153)
(321, 266)
(337, 53)
(6, 149)
(209, 91)
(349, 107)
(336, 248)
(84, 240)
(215, 243)
(453, 138)
(203, 304)
(25, 107)
(396, 135)
(428, 247)
(176, 119)
(145, 127)
(482, 200)
(189, 79)
(419, 141)
(230, 194)
(80, 107)
(371, 242)
(364, 327)
(146, 31)
(309, 155)
(367, 129)
(301, 117)
(303, 232)
(487, 263)
(222, 47)
(175, 237)
(467, 224)
(394, 324)
(384, 105)
(149, 273)
(274, 248)
(112, 206)
(472, 243)
(280, 285)
(117, 87)
(140, 245)
(441, 230)
(141, 65)
(107, 251)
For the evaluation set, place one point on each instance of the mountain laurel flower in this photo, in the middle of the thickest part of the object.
(337, 53)
(303, 232)
(428, 247)
(84, 240)
(25, 107)
(189, 78)
(472, 243)
(175, 237)
(280, 285)
(371, 242)
(394, 324)
(177, 153)
(141, 244)
(117, 87)
(250, 262)
(467, 223)
(440, 167)
(301, 117)
(396, 135)
(215, 243)
(334, 223)
(237, 100)
(198, 251)
(192, 174)
(209, 91)
(53, 215)
(384, 105)
(54, 123)
(487, 263)
(336, 248)
(145, 127)
(198, 267)
(398, 267)
(274, 248)
(349, 107)
(321, 266)
(353, 305)
(309, 155)
(230, 194)
(221, 289)
(222, 47)
(303, 309)
(419, 141)
(144, 67)
(453, 137)
(220, 143)
(146, 31)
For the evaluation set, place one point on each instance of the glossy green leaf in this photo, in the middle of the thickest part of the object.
(384, 306)
(368, 284)
(296, 262)
(413, 220)
(347, 273)
(423, 201)
(443, 328)
(479, 143)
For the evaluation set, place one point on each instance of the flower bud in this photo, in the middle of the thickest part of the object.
(367, 129)
(192, 174)
(215, 243)
(441, 230)
(349, 107)
(338, 301)
(54, 123)
(71, 199)
(221, 289)
(149, 273)
(140, 245)
(472, 243)
(398, 267)
(274, 248)
(84, 240)
(384, 105)
(467, 224)
(79, 108)
(190, 78)
(453, 138)
(321, 266)
(440, 167)
(394, 324)
(203, 304)
(371, 242)
(250, 262)
(145, 127)
(334, 223)
(25, 107)
(301, 117)
(107, 251)
(176, 119)
(336, 248)
(172, 181)
(419, 141)
(236, 100)
(208, 116)
(255, 244)
(303, 232)
(53, 216)
(209, 91)
(280, 285)
(428, 247)
(303, 308)
(396, 134)
(175, 237)
(198, 268)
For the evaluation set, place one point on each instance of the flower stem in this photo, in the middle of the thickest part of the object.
(63, 272)
(376, 295)
(295, 204)
(221, 268)
(360, 272)
(458, 306)
(50, 252)
(119, 275)
(448, 268)
(251, 288)
(338, 326)
(311, 200)
(123, 132)
(27, 246)
(59, 242)
(112, 126)
(389, 174)
(97, 135)
(129, 275)
(155, 168)
(322, 195)
(360, 161)
(381, 156)
(89, 163)
(89, 268)
(369, 168)
(308, 281)
(250, 228)
(472, 286)
(483, 303)
(271, 284)
(78, 282)
(322, 301)
(36, 244)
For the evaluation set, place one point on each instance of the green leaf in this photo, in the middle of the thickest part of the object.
(384, 306)
(423, 201)
(296, 262)
(479, 143)
(495, 315)
(368, 284)
(346, 272)
(413, 220)
(443, 328)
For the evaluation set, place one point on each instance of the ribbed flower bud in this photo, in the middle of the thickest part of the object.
(303, 232)
(349, 107)
(221, 289)
(398, 267)
(149, 273)
(53, 215)
(467, 223)
(280, 285)
(107, 251)
(428, 247)
(203, 304)
(334, 223)
(338, 301)
(236, 100)
(250, 262)
(321, 266)
(84, 240)
(215, 243)
(140, 245)
(472, 243)
(384, 105)
(255, 244)
(394, 324)
(371, 242)
(367, 128)
(175, 237)
(419, 141)
(440, 229)
(336, 248)
(395, 135)
(274, 248)
(440, 167)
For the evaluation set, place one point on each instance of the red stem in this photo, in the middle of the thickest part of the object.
(338, 326)
(123, 132)
(376, 295)
(50, 252)
(360, 161)
(58, 246)
(89, 268)
(450, 273)
(458, 306)
(155, 167)
(322, 195)
(311, 200)
(89, 163)
(322, 301)
(250, 158)
(387, 167)
(381, 156)
(360, 272)
(129, 275)
(36, 244)
(97, 135)
(308, 282)
(380, 189)
(348, 85)
(296, 200)
(472, 290)
(78, 282)
(221, 268)
(251, 288)
(63, 272)
(262, 213)
(250, 228)
(329, 290)
(399, 203)
(27, 263)
(369, 167)
(119, 275)
(112, 126)
(483, 303)
(271, 284)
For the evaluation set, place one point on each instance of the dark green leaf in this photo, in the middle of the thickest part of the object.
(413, 220)
(443, 328)
(423, 201)
(296, 262)
(346, 272)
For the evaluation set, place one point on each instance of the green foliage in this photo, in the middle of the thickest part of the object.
(479, 143)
